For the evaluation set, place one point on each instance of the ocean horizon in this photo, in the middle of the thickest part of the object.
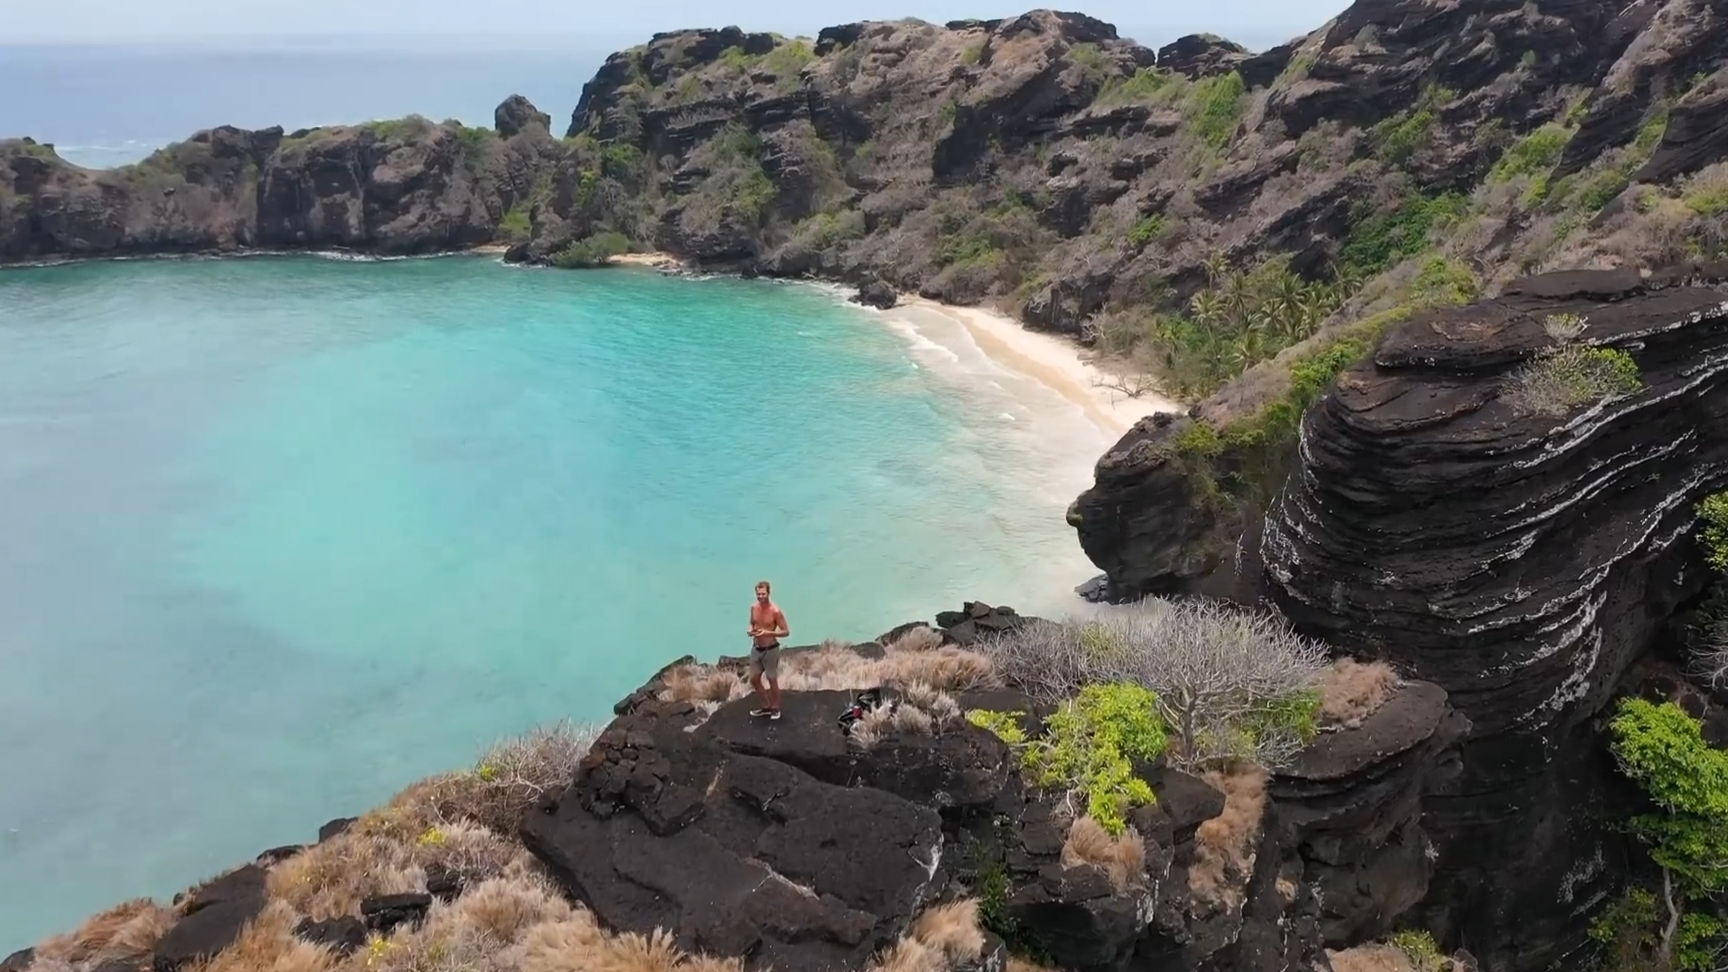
(288, 533)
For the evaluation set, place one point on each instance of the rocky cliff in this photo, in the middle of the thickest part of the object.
(801, 845)
(1038, 162)
(1523, 559)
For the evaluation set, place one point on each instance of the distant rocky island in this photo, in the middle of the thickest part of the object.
(1444, 285)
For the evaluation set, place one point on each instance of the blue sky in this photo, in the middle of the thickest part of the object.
(1257, 23)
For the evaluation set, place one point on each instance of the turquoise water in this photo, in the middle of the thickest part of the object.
(282, 535)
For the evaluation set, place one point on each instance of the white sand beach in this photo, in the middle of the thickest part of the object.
(1052, 360)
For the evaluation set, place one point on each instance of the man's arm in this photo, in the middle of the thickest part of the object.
(781, 629)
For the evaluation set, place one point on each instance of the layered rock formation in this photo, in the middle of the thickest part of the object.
(1522, 561)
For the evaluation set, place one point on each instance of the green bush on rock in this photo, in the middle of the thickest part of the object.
(1090, 747)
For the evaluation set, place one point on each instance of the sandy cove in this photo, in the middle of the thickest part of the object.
(1052, 360)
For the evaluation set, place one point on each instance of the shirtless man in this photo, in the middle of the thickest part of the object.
(767, 627)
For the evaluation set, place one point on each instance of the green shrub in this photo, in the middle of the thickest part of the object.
(1090, 745)
(1662, 749)
(1421, 949)
(398, 128)
(1534, 154)
(1006, 725)
(1714, 512)
(1093, 62)
(594, 251)
(1143, 86)
(1571, 375)
(1214, 106)
(1443, 281)
(1403, 135)
(1385, 238)
(621, 160)
(789, 58)
(1145, 230)
(1200, 441)
(1707, 193)
(752, 194)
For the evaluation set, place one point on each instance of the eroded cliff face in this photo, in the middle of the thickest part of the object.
(1521, 561)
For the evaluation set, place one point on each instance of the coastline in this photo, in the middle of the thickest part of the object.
(1057, 362)
(1054, 361)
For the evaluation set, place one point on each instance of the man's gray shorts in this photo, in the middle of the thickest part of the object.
(765, 662)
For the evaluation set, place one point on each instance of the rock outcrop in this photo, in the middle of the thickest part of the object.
(1522, 561)
(792, 844)
(789, 843)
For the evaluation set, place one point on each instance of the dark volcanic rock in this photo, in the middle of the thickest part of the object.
(737, 854)
(18, 961)
(343, 936)
(443, 883)
(963, 766)
(335, 828)
(1201, 55)
(1355, 801)
(385, 911)
(516, 113)
(213, 918)
(876, 294)
(1521, 562)
(277, 855)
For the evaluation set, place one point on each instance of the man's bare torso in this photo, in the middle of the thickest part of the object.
(765, 617)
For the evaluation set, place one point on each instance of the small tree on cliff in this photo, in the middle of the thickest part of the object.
(1663, 750)
(1230, 683)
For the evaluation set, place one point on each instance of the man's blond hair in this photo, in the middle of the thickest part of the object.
(765, 586)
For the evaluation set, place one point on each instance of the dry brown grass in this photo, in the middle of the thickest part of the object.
(1370, 958)
(513, 922)
(389, 851)
(1351, 691)
(917, 665)
(921, 638)
(1224, 846)
(268, 944)
(126, 932)
(944, 936)
(1122, 858)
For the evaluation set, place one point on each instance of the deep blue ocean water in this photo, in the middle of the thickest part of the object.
(283, 534)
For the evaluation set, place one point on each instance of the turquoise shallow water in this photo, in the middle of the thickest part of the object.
(282, 535)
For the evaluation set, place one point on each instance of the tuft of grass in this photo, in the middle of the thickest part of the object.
(1421, 949)
(1224, 846)
(1214, 107)
(1533, 155)
(1351, 691)
(1122, 857)
(1564, 378)
(1706, 192)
